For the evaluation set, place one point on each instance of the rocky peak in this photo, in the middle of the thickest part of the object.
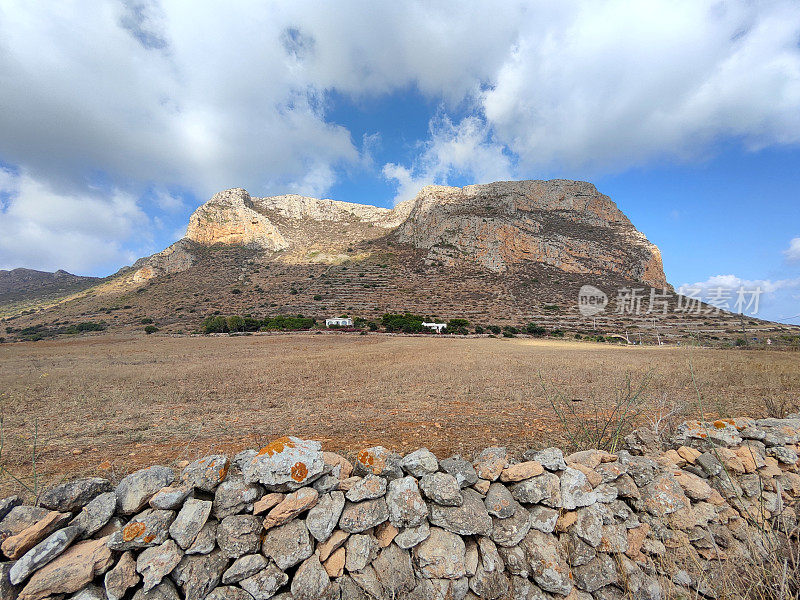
(497, 226)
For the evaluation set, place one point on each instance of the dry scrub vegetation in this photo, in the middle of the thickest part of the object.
(108, 404)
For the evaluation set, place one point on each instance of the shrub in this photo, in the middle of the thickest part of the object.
(373, 326)
(478, 329)
(317, 297)
(535, 330)
(146, 321)
(495, 329)
(235, 323)
(236, 291)
(215, 324)
(557, 333)
(150, 329)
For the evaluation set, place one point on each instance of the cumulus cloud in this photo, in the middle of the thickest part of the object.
(45, 229)
(792, 253)
(204, 97)
(774, 299)
(453, 150)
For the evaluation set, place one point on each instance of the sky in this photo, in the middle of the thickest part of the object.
(119, 118)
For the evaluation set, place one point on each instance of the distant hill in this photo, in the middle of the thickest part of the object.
(505, 253)
(23, 288)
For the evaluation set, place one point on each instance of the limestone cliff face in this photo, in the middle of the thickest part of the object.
(566, 224)
(499, 226)
(229, 218)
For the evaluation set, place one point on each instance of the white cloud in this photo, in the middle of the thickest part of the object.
(463, 149)
(203, 97)
(792, 253)
(772, 299)
(44, 229)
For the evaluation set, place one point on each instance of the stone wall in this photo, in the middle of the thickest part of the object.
(290, 521)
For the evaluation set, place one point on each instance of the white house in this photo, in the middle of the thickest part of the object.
(437, 327)
(341, 322)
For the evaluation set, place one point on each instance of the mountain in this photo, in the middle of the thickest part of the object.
(504, 253)
(23, 287)
(498, 227)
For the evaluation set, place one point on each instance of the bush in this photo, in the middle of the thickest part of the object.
(406, 323)
(373, 326)
(478, 329)
(535, 330)
(317, 297)
(235, 323)
(150, 329)
(236, 291)
(557, 333)
(146, 321)
(495, 329)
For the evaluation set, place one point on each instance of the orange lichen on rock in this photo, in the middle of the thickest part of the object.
(299, 471)
(132, 531)
(276, 446)
(365, 457)
(223, 472)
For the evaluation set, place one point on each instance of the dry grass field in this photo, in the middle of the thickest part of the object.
(109, 403)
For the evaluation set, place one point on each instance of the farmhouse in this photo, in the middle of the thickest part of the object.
(437, 327)
(339, 322)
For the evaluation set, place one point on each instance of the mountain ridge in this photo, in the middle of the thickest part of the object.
(561, 223)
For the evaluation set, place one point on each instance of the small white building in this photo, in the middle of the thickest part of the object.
(437, 327)
(339, 322)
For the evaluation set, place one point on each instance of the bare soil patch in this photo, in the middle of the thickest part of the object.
(111, 403)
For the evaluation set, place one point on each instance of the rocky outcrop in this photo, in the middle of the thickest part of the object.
(500, 226)
(645, 523)
(566, 224)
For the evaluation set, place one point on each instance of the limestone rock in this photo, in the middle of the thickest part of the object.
(360, 516)
(135, 490)
(461, 469)
(6, 504)
(379, 461)
(551, 459)
(367, 488)
(361, 551)
(229, 592)
(575, 489)
(163, 591)
(393, 568)
(122, 577)
(74, 495)
(291, 506)
(20, 518)
(544, 488)
(206, 473)
(543, 518)
(285, 464)
(205, 540)
(17, 545)
(149, 528)
(96, 514)
(70, 571)
(324, 516)
(490, 462)
(441, 555)
(510, 531)
(471, 518)
(190, 520)
(155, 563)
(548, 568)
(499, 501)
(288, 545)
(405, 503)
(265, 583)
(199, 574)
(520, 471)
(244, 567)
(234, 495)
(420, 463)
(442, 488)
(238, 535)
(170, 497)
(310, 580)
(42, 553)
(411, 536)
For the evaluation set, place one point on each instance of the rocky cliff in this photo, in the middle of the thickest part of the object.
(500, 226)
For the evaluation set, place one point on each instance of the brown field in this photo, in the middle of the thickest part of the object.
(107, 404)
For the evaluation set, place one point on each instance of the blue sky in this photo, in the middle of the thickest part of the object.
(118, 119)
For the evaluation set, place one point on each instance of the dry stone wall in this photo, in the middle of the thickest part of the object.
(290, 521)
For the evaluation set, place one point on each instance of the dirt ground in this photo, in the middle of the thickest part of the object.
(110, 403)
